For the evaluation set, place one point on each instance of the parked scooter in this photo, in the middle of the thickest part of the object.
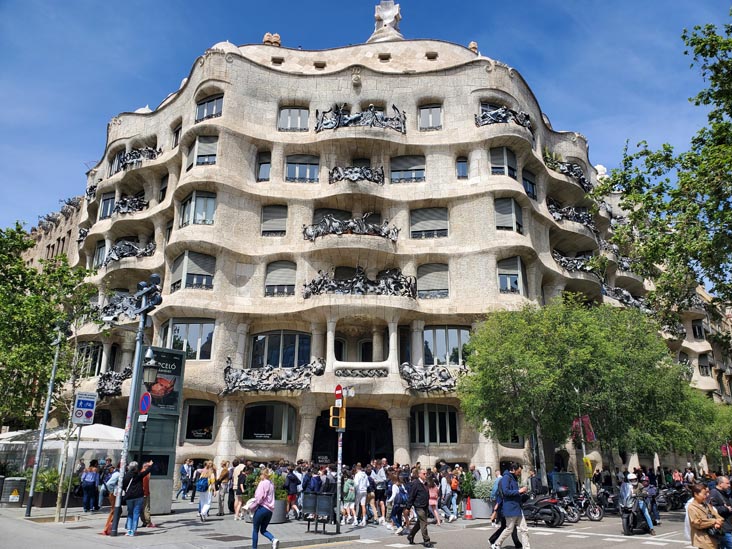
(608, 501)
(587, 506)
(543, 508)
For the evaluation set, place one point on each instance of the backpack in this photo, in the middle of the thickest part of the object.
(454, 483)
(202, 484)
(401, 498)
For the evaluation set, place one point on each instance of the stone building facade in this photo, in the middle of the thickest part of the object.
(338, 217)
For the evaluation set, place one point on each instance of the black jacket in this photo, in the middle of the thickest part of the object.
(720, 501)
(419, 495)
(134, 481)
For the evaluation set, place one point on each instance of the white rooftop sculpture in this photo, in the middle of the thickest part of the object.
(387, 17)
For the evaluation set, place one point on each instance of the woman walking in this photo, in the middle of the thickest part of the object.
(206, 486)
(89, 483)
(434, 489)
(398, 501)
(702, 516)
(111, 486)
(262, 508)
(132, 485)
(222, 485)
(349, 500)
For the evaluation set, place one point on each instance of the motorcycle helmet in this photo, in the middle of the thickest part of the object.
(633, 478)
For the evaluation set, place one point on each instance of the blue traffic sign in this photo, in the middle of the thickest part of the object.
(145, 403)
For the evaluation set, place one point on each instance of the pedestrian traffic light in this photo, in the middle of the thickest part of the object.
(337, 417)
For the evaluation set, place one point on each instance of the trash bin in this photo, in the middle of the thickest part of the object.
(13, 492)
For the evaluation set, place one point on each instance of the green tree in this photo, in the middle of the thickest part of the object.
(531, 371)
(679, 205)
(32, 301)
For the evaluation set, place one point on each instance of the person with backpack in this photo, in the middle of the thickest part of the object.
(398, 500)
(349, 500)
(446, 496)
(454, 489)
(206, 486)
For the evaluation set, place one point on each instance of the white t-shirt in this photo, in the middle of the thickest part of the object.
(361, 481)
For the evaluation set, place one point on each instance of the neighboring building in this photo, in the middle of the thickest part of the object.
(247, 191)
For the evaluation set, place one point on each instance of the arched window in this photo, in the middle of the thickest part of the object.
(192, 335)
(433, 424)
(202, 151)
(461, 167)
(264, 165)
(280, 279)
(198, 208)
(407, 169)
(432, 281)
(274, 220)
(503, 162)
(209, 108)
(293, 119)
(509, 216)
(281, 349)
(529, 181)
(512, 276)
(196, 269)
(428, 223)
(269, 421)
(200, 418)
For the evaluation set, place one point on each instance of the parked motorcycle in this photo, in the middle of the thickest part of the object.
(588, 507)
(543, 508)
(608, 501)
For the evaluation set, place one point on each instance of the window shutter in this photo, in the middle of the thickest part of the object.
(201, 264)
(432, 276)
(424, 117)
(274, 218)
(361, 162)
(529, 176)
(504, 212)
(497, 157)
(284, 122)
(509, 266)
(524, 281)
(429, 219)
(281, 273)
(374, 218)
(403, 163)
(176, 271)
(191, 156)
(303, 118)
(511, 158)
(518, 212)
(340, 215)
(264, 158)
(303, 159)
(207, 145)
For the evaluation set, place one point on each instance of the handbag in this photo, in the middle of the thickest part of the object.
(124, 491)
(714, 532)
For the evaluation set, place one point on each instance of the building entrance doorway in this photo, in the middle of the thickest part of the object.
(368, 436)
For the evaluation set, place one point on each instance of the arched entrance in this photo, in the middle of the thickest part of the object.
(368, 436)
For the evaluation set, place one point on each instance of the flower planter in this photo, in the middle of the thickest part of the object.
(481, 509)
(278, 515)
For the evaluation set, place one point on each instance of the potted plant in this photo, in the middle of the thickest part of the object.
(278, 515)
(481, 504)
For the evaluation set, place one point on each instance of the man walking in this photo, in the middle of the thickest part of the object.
(185, 478)
(419, 498)
(511, 507)
(719, 496)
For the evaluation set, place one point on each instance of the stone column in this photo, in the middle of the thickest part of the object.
(330, 343)
(393, 346)
(228, 413)
(400, 434)
(308, 417)
(317, 341)
(106, 351)
(277, 163)
(417, 351)
(127, 358)
(240, 359)
(377, 343)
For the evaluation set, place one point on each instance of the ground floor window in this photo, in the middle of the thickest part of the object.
(433, 424)
(273, 421)
(199, 419)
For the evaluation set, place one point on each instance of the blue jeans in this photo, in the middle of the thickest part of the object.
(454, 503)
(90, 495)
(134, 508)
(396, 515)
(642, 505)
(183, 488)
(726, 541)
(259, 525)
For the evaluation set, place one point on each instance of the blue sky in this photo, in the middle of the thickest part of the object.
(610, 70)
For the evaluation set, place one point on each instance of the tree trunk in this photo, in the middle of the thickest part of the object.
(540, 448)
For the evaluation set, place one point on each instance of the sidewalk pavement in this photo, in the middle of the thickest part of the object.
(182, 529)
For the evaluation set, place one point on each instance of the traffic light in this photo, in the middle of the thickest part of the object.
(337, 418)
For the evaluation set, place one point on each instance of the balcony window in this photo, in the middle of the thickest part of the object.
(512, 276)
(503, 162)
(704, 368)
(293, 119)
(429, 223)
(199, 420)
(202, 151)
(168, 231)
(433, 281)
(509, 216)
(445, 345)
(407, 169)
(274, 220)
(197, 270)
(264, 166)
(433, 424)
(340, 215)
(100, 253)
(193, 336)
(302, 168)
(107, 206)
(430, 117)
(90, 358)
(209, 108)
(461, 167)
(163, 188)
(697, 328)
(269, 422)
(176, 136)
(529, 181)
(281, 349)
(115, 165)
(198, 208)
(280, 279)
(486, 107)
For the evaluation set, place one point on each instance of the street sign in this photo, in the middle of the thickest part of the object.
(84, 406)
(142, 418)
(338, 396)
(145, 403)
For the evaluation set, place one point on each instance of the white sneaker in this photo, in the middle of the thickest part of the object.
(399, 530)
(452, 518)
(363, 522)
(389, 527)
(343, 522)
(275, 543)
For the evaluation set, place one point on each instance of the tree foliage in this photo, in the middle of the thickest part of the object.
(32, 302)
(531, 371)
(679, 205)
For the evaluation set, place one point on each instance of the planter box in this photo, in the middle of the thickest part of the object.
(481, 509)
(278, 515)
(48, 499)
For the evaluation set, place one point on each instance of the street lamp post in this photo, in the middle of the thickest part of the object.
(60, 329)
(149, 377)
(148, 297)
(582, 437)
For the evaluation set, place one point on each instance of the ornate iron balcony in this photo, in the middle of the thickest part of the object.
(503, 115)
(433, 294)
(331, 225)
(339, 117)
(356, 173)
(390, 282)
(625, 297)
(271, 378)
(128, 249)
(281, 290)
(570, 213)
(431, 378)
(571, 263)
(129, 204)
